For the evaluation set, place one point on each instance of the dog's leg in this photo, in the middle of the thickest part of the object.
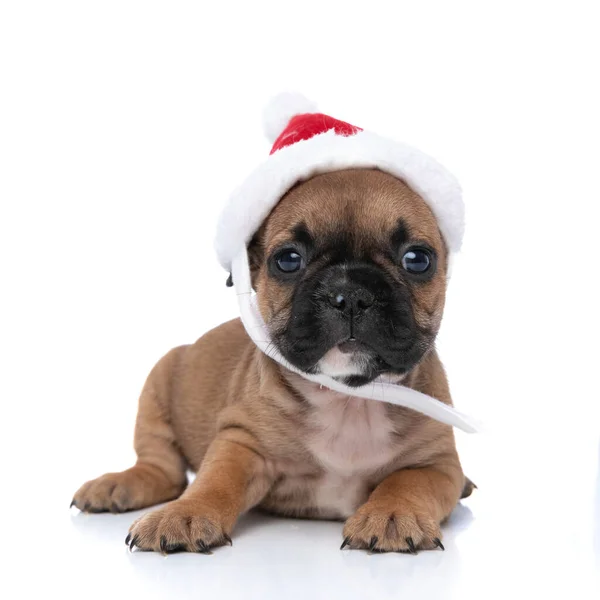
(232, 479)
(160, 472)
(405, 510)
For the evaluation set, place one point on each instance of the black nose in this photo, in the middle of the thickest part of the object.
(351, 299)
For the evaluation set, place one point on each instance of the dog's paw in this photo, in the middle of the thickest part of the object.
(182, 525)
(397, 528)
(135, 488)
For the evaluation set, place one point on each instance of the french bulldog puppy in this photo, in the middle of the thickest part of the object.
(350, 273)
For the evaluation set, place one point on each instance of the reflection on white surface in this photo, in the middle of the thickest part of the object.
(270, 557)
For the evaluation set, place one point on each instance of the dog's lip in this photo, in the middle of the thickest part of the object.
(352, 345)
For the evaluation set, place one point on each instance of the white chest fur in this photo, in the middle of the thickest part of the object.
(351, 439)
(350, 436)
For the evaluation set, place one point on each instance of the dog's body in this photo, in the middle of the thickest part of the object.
(260, 435)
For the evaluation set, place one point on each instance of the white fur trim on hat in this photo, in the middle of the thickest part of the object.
(252, 202)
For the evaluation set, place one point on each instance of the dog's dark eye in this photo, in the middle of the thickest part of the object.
(288, 261)
(416, 260)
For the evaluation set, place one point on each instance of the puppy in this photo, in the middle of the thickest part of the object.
(350, 272)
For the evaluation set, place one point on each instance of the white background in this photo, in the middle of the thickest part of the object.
(124, 126)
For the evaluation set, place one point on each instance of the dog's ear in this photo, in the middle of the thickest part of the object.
(255, 258)
(256, 255)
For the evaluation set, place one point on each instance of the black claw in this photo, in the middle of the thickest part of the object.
(373, 543)
(345, 542)
(228, 539)
(114, 508)
(93, 510)
(128, 539)
(87, 507)
(133, 543)
(163, 544)
(229, 282)
(203, 548)
(172, 548)
(72, 503)
(411, 545)
(438, 543)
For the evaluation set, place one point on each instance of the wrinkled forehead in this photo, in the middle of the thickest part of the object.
(371, 206)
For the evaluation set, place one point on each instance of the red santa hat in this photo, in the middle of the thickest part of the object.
(307, 142)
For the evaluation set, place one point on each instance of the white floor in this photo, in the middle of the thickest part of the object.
(524, 533)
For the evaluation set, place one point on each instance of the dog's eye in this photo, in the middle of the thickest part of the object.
(416, 260)
(288, 261)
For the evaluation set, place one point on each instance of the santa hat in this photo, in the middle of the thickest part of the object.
(307, 142)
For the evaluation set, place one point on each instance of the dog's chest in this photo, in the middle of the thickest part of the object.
(348, 436)
(352, 442)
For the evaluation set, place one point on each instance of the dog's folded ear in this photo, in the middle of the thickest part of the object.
(256, 255)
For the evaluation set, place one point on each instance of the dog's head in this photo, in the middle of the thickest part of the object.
(350, 274)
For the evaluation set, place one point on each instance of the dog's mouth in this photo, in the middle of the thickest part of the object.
(351, 346)
(353, 362)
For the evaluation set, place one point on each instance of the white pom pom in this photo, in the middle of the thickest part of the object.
(281, 109)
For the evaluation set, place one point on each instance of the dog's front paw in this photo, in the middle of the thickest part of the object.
(135, 488)
(181, 526)
(391, 528)
(113, 492)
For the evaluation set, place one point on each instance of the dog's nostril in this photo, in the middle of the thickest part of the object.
(338, 301)
(364, 300)
(357, 300)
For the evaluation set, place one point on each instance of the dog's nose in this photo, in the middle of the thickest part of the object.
(351, 299)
